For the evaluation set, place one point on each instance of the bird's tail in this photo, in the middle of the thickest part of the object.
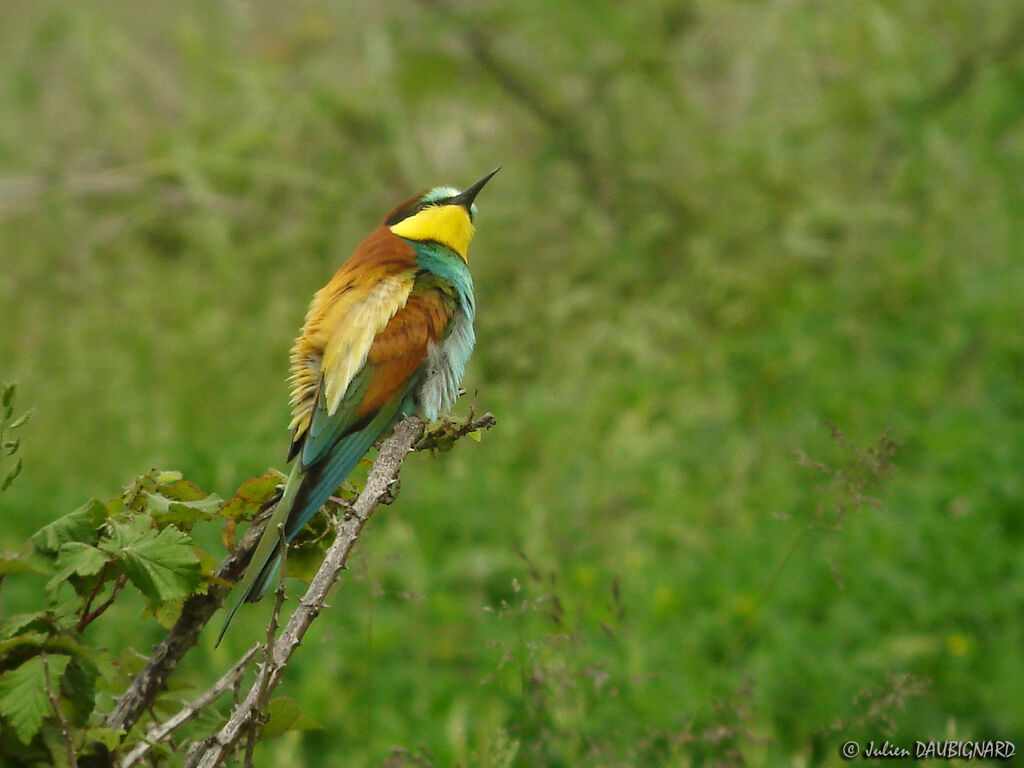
(305, 492)
(267, 557)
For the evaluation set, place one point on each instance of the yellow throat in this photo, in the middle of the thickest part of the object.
(446, 224)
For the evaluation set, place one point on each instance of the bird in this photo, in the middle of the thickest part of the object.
(388, 336)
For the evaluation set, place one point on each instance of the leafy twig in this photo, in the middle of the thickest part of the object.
(195, 613)
(157, 734)
(92, 595)
(88, 618)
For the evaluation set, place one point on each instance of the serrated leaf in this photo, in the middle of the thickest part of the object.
(76, 559)
(23, 698)
(80, 525)
(18, 623)
(161, 564)
(286, 715)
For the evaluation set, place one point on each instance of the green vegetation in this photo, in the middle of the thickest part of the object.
(719, 226)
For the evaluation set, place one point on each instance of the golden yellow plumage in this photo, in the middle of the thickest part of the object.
(448, 225)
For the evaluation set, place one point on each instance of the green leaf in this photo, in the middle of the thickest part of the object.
(12, 562)
(130, 661)
(8, 396)
(20, 420)
(108, 737)
(80, 525)
(76, 559)
(79, 687)
(16, 624)
(171, 485)
(160, 503)
(161, 564)
(252, 495)
(33, 638)
(117, 672)
(174, 500)
(54, 745)
(23, 697)
(166, 614)
(6, 483)
(286, 715)
(165, 511)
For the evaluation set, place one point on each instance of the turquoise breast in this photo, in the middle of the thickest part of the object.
(446, 362)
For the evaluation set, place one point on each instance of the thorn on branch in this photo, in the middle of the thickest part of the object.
(157, 733)
(245, 715)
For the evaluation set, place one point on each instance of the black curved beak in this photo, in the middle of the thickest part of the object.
(468, 195)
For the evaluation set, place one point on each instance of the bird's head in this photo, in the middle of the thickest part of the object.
(441, 215)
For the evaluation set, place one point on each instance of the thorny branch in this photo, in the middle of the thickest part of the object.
(198, 609)
(382, 476)
(158, 733)
(263, 694)
(450, 433)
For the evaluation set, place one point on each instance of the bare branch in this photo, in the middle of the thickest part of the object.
(382, 476)
(158, 733)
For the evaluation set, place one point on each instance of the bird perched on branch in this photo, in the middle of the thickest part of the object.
(389, 335)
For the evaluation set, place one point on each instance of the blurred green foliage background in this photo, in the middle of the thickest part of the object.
(718, 226)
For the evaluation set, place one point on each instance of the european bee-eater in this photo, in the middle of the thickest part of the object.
(389, 335)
